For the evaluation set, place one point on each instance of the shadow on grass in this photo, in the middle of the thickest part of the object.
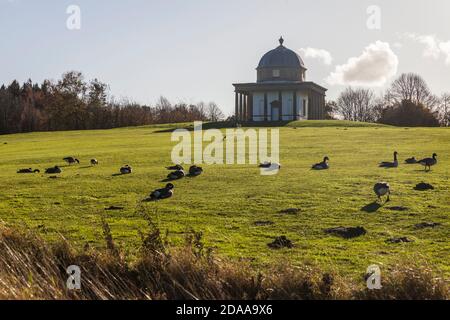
(118, 174)
(371, 207)
(170, 180)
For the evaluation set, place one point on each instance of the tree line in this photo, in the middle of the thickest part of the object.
(408, 102)
(72, 103)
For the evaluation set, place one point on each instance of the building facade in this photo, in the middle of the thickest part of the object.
(281, 92)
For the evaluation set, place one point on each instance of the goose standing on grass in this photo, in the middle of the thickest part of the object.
(163, 193)
(386, 164)
(126, 169)
(412, 160)
(382, 189)
(195, 171)
(179, 174)
(324, 165)
(29, 170)
(71, 160)
(94, 162)
(429, 162)
(54, 170)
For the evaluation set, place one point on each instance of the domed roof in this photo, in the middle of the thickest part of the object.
(281, 57)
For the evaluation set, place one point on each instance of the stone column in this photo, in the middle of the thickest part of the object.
(280, 109)
(265, 107)
(294, 107)
(244, 107)
(250, 107)
(241, 106)
(236, 104)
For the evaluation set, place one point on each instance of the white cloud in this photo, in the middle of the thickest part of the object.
(434, 47)
(430, 42)
(374, 67)
(320, 54)
(445, 49)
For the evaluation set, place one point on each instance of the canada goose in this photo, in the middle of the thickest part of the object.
(175, 175)
(412, 160)
(71, 160)
(29, 170)
(176, 167)
(126, 169)
(195, 171)
(322, 165)
(163, 193)
(394, 164)
(94, 162)
(382, 189)
(428, 162)
(54, 170)
(270, 165)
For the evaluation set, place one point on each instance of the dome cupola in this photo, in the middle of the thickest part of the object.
(281, 64)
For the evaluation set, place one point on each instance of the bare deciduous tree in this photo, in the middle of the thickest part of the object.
(214, 112)
(444, 109)
(411, 87)
(356, 105)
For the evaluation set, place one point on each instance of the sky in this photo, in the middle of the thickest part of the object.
(194, 50)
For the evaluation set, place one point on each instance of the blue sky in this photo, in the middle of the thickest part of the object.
(194, 50)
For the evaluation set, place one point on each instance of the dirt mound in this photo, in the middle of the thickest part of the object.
(280, 243)
(425, 225)
(290, 211)
(114, 208)
(423, 187)
(398, 208)
(399, 240)
(263, 223)
(347, 232)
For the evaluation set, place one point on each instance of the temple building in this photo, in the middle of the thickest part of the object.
(281, 92)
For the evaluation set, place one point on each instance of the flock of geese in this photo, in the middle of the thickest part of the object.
(177, 172)
(381, 188)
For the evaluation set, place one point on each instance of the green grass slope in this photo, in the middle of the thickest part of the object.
(227, 201)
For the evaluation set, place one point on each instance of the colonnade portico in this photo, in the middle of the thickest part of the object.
(281, 92)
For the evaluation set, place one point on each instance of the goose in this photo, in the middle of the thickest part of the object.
(54, 170)
(412, 160)
(71, 160)
(428, 162)
(163, 193)
(126, 169)
(382, 189)
(29, 170)
(322, 165)
(195, 171)
(176, 168)
(94, 162)
(179, 174)
(394, 164)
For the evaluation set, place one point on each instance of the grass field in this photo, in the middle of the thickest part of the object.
(226, 201)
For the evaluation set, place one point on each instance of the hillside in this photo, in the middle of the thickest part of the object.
(229, 203)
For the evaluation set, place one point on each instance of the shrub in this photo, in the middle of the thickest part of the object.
(409, 114)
